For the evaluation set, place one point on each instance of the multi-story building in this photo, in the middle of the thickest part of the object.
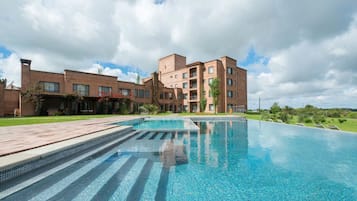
(194, 79)
(176, 87)
(74, 92)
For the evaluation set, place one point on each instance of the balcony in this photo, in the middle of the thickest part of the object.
(192, 75)
(193, 98)
(193, 86)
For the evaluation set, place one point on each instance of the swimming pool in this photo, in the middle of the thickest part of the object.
(163, 124)
(225, 160)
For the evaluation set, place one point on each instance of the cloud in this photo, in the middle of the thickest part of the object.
(309, 43)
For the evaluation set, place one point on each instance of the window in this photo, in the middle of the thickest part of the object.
(209, 93)
(230, 94)
(125, 92)
(210, 69)
(229, 82)
(81, 89)
(184, 75)
(170, 95)
(147, 94)
(184, 85)
(211, 107)
(210, 80)
(185, 108)
(185, 96)
(229, 70)
(161, 95)
(139, 93)
(104, 91)
(50, 86)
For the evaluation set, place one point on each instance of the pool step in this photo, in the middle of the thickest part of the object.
(103, 174)
(109, 177)
(61, 170)
(159, 135)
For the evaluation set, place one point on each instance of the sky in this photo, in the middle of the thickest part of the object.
(295, 52)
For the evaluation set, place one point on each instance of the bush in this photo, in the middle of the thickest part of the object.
(342, 120)
(308, 120)
(149, 108)
(284, 116)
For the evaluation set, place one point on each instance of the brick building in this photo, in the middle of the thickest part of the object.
(194, 80)
(176, 87)
(76, 92)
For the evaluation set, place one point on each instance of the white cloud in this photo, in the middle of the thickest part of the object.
(310, 44)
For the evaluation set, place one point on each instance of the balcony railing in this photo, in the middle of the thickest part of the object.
(193, 97)
(193, 86)
(194, 74)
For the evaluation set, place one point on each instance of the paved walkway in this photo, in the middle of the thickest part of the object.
(14, 139)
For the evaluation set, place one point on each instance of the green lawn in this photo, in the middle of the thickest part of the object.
(349, 125)
(46, 119)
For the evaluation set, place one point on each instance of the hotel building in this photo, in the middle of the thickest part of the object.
(176, 87)
(194, 79)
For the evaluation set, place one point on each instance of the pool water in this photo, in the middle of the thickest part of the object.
(165, 124)
(225, 160)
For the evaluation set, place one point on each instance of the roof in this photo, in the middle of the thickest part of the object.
(194, 64)
(171, 55)
(91, 73)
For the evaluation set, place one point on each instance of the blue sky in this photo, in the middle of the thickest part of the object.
(4, 52)
(125, 69)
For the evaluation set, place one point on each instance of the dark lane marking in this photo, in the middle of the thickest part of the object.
(138, 188)
(109, 188)
(162, 187)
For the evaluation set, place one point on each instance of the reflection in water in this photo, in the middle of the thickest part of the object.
(172, 154)
(217, 142)
(252, 160)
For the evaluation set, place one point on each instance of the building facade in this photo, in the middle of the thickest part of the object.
(176, 87)
(194, 79)
(74, 92)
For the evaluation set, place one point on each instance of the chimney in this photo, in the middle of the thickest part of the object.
(25, 73)
(25, 62)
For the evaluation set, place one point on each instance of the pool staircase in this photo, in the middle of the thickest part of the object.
(101, 173)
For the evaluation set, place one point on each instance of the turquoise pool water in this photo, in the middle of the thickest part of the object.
(167, 124)
(225, 160)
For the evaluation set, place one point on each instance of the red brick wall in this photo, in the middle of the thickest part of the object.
(11, 101)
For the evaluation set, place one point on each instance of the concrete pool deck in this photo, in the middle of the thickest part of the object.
(15, 139)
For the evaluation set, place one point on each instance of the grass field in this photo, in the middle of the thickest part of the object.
(46, 119)
(349, 125)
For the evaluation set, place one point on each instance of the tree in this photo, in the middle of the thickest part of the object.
(275, 108)
(214, 87)
(35, 96)
(137, 78)
(203, 101)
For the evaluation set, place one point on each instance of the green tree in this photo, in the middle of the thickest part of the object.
(214, 87)
(275, 108)
(137, 78)
(34, 95)
(203, 101)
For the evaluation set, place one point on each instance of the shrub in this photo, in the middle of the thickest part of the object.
(284, 116)
(342, 120)
(149, 108)
(308, 120)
